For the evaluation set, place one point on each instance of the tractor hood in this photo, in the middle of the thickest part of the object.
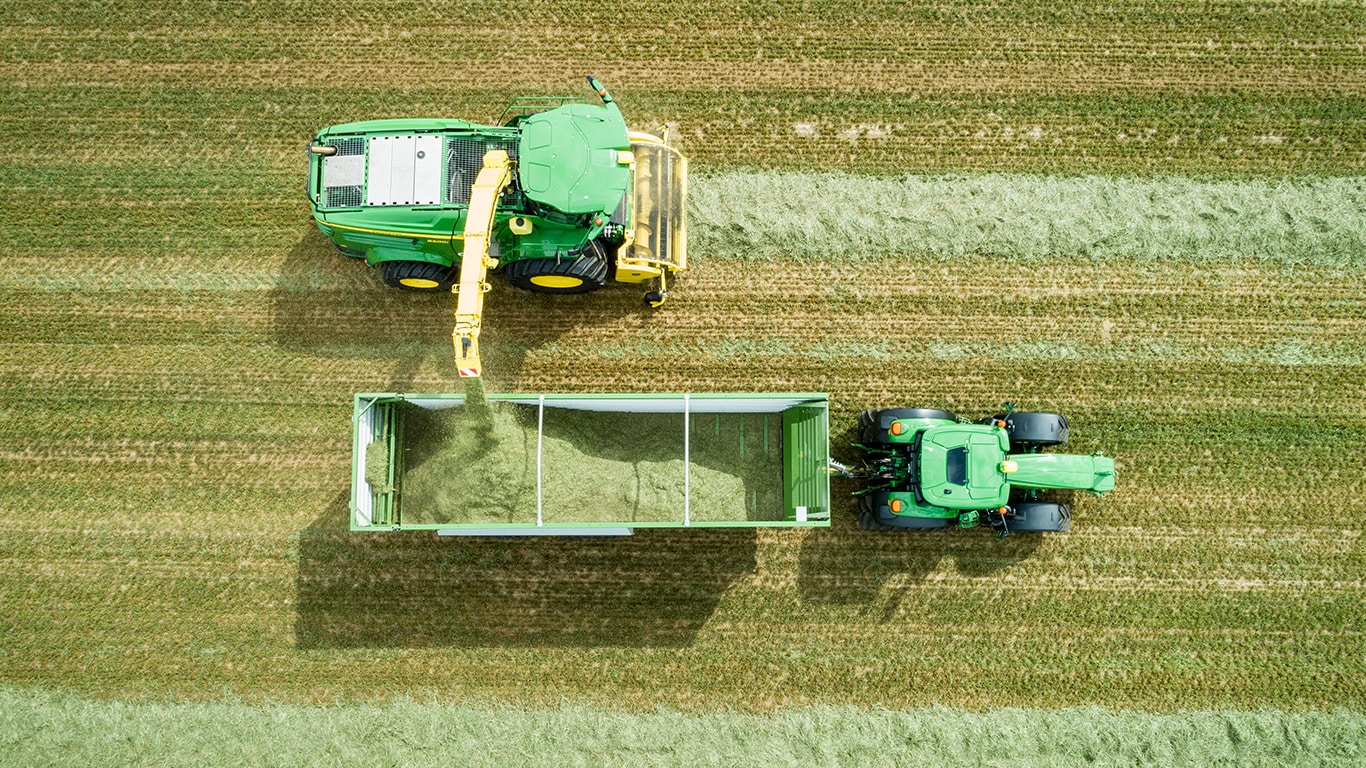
(575, 158)
(960, 466)
(1094, 473)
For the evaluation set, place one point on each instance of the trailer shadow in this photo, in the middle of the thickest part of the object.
(847, 565)
(414, 590)
(333, 306)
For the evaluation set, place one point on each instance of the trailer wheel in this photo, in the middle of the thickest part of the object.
(420, 276)
(587, 272)
(873, 515)
(873, 424)
(1040, 516)
(1035, 430)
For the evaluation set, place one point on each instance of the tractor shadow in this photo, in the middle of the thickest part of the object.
(328, 305)
(848, 565)
(417, 590)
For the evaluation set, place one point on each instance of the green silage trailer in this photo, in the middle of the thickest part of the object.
(588, 465)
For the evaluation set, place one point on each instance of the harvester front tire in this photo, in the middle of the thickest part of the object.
(1040, 516)
(421, 276)
(873, 424)
(1035, 430)
(587, 272)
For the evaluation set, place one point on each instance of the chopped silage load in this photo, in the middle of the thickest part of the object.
(377, 467)
(477, 464)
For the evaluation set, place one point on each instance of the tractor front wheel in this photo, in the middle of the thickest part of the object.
(420, 276)
(587, 272)
(1035, 430)
(1041, 516)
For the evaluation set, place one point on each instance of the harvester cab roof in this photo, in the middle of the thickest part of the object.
(576, 158)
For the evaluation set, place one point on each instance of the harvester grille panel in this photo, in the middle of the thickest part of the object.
(464, 159)
(342, 197)
(344, 174)
(354, 146)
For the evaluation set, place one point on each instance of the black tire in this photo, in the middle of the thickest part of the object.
(1035, 430)
(587, 272)
(867, 516)
(421, 276)
(875, 515)
(873, 424)
(1040, 516)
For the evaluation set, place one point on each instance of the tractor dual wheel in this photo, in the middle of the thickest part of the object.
(587, 272)
(421, 276)
(873, 424)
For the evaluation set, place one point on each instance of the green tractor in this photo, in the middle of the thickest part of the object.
(927, 469)
(560, 195)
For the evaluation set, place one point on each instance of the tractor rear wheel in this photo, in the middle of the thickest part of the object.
(867, 516)
(873, 424)
(872, 517)
(1035, 430)
(587, 272)
(421, 276)
(1040, 516)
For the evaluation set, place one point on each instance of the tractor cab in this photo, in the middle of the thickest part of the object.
(960, 466)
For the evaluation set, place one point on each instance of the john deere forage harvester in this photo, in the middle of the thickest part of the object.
(560, 195)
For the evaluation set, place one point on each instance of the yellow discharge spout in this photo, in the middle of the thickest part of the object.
(475, 262)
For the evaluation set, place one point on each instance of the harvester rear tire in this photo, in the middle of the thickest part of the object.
(421, 276)
(587, 272)
(873, 424)
(1040, 516)
(1035, 430)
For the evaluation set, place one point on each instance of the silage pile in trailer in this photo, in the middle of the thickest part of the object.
(477, 464)
(771, 214)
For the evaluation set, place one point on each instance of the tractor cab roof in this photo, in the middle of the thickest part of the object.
(575, 158)
(960, 466)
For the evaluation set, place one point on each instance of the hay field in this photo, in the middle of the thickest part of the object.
(180, 348)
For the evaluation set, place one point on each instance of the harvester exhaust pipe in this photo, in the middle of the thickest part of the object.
(322, 149)
(600, 89)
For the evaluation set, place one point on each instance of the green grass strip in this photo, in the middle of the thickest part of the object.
(42, 728)
(1318, 221)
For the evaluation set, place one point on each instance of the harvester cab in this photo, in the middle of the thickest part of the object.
(562, 196)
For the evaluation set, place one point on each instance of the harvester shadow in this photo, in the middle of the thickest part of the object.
(414, 590)
(331, 306)
(328, 305)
